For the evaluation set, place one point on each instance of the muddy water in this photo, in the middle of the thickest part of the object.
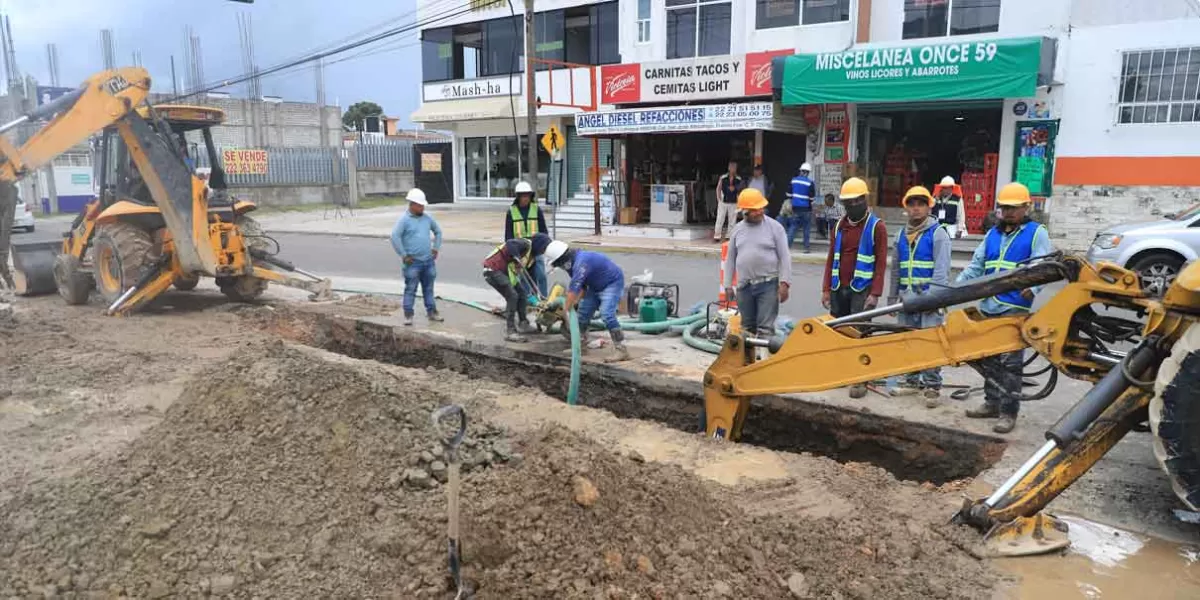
(1104, 562)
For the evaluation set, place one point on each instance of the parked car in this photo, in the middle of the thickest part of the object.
(1156, 250)
(24, 217)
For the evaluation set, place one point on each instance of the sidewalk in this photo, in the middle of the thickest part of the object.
(486, 225)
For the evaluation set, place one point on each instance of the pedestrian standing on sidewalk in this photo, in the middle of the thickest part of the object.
(760, 182)
(856, 266)
(801, 197)
(502, 270)
(728, 186)
(597, 283)
(524, 220)
(411, 241)
(1013, 240)
(922, 261)
(758, 253)
(833, 213)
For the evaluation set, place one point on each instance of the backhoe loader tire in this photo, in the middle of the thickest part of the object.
(1175, 417)
(246, 288)
(121, 253)
(186, 284)
(73, 284)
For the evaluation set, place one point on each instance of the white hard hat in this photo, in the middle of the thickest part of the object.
(417, 196)
(806, 167)
(523, 188)
(947, 180)
(554, 251)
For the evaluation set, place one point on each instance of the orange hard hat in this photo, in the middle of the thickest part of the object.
(751, 199)
(1013, 194)
(917, 191)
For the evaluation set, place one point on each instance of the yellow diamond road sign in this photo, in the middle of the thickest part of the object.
(553, 141)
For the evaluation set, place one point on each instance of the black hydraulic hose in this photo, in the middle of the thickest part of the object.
(1074, 424)
(1034, 275)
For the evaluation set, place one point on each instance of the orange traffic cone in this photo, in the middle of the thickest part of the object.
(722, 301)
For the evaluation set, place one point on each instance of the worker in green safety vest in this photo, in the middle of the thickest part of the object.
(523, 221)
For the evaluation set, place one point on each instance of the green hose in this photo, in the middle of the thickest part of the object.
(689, 338)
(659, 327)
(576, 358)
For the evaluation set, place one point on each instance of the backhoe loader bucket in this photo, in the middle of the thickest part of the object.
(33, 267)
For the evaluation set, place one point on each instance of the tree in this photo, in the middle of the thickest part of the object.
(353, 117)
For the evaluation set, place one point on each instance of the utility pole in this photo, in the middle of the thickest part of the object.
(530, 100)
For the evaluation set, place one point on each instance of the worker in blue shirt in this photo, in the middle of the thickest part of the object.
(596, 283)
(801, 197)
(411, 241)
(1015, 239)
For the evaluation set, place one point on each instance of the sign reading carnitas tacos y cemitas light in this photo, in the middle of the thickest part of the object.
(700, 78)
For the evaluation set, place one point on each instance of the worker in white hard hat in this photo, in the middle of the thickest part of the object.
(523, 220)
(948, 207)
(597, 283)
(411, 238)
(804, 190)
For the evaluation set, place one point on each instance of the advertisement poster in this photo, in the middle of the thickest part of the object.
(837, 133)
(245, 162)
(1033, 163)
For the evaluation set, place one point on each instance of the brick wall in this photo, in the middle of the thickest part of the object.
(1079, 212)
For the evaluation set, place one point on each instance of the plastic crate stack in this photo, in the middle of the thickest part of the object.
(979, 192)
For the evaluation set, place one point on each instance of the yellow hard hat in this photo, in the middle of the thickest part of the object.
(917, 191)
(853, 188)
(1013, 194)
(751, 199)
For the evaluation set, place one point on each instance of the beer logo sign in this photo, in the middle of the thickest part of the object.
(620, 84)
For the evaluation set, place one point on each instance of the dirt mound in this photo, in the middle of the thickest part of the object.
(288, 472)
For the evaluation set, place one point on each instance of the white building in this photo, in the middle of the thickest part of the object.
(1094, 104)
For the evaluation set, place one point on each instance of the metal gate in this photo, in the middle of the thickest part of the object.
(433, 171)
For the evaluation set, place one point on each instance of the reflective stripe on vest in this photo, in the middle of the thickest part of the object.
(864, 265)
(916, 268)
(527, 226)
(512, 267)
(799, 198)
(1002, 254)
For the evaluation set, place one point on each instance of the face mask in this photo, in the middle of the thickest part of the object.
(856, 212)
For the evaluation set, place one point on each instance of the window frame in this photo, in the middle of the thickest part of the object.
(801, 11)
(643, 34)
(1159, 102)
(696, 6)
(948, 31)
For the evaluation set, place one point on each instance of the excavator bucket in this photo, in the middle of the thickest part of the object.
(1026, 536)
(33, 267)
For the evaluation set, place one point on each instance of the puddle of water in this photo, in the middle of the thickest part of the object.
(1104, 562)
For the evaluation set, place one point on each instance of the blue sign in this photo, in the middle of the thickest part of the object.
(727, 117)
(1020, 108)
(47, 94)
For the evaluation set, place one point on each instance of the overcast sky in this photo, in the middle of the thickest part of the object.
(283, 29)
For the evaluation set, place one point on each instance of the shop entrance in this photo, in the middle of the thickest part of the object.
(900, 148)
(690, 163)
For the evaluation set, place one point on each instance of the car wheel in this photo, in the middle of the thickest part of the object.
(29, 229)
(1157, 271)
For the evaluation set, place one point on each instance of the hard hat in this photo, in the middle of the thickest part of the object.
(539, 242)
(947, 181)
(806, 167)
(555, 250)
(523, 188)
(417, 196)
(1013, 194)
(751, 199)
(917, 191)
(853, 188)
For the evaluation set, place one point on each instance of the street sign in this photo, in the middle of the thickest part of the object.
(552, 141)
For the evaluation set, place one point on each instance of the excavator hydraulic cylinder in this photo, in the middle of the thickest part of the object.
(1072, 425)
(1036, 274)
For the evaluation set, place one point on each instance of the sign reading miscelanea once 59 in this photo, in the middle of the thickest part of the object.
(968, 70)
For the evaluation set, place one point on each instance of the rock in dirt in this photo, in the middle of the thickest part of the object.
(222, 585)
(797, 585)
(644, 565)
(584, 491)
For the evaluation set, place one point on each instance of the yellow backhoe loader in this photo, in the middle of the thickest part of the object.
(155, 222)
(1143, 354)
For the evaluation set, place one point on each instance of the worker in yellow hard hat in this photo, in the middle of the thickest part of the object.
(1014, 240)
(759, 255)
(856, 266)
(921, 263)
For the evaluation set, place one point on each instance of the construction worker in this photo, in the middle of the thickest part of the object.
(1013, 240)
(804, 190)
(524, 219)
(922, 260)
(948, 207)
(856, 266)
(410, 240)
(758, 253)
(502, 270)
(596, 283)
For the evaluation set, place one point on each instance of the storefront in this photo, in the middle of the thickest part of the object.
(912, 114)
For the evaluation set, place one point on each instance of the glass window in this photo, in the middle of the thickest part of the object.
(503, 46)
(777, 13)
(974, 16)
(505, 165)
(606, 46)
(936, 18)
(714, 29)
(925, 18)
(437, 54)
(681, 33)
(643, 21)
(1160, 86)
(832, 11)
(548, 36)
(698, 27)
(475, 154)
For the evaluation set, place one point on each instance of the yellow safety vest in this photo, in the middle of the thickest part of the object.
(527, 226)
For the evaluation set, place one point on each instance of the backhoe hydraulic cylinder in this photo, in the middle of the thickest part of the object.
(1041, 273)
(1076, 421)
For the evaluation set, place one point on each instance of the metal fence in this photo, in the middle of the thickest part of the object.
(317, 166)
(385, 154)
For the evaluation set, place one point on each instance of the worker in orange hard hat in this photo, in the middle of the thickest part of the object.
(758, 253)
(1013, 241)
(856, 266)
(921, 262)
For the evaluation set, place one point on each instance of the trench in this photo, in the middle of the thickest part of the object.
(909, 450)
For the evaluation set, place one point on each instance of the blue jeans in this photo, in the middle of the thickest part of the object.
(606, 299)
(929, 378)
(419, 272)
(759, 305)
(802, 218)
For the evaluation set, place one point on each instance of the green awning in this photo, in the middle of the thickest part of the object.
(962, 70)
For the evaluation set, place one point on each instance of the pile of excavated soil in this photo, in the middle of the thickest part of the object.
(290, 472)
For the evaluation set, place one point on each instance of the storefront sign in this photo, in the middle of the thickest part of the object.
(724, 117)
(837, 133)
(431, 162)
(705, 77)
(245, 162)
(1002, 68)
(472, 88)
